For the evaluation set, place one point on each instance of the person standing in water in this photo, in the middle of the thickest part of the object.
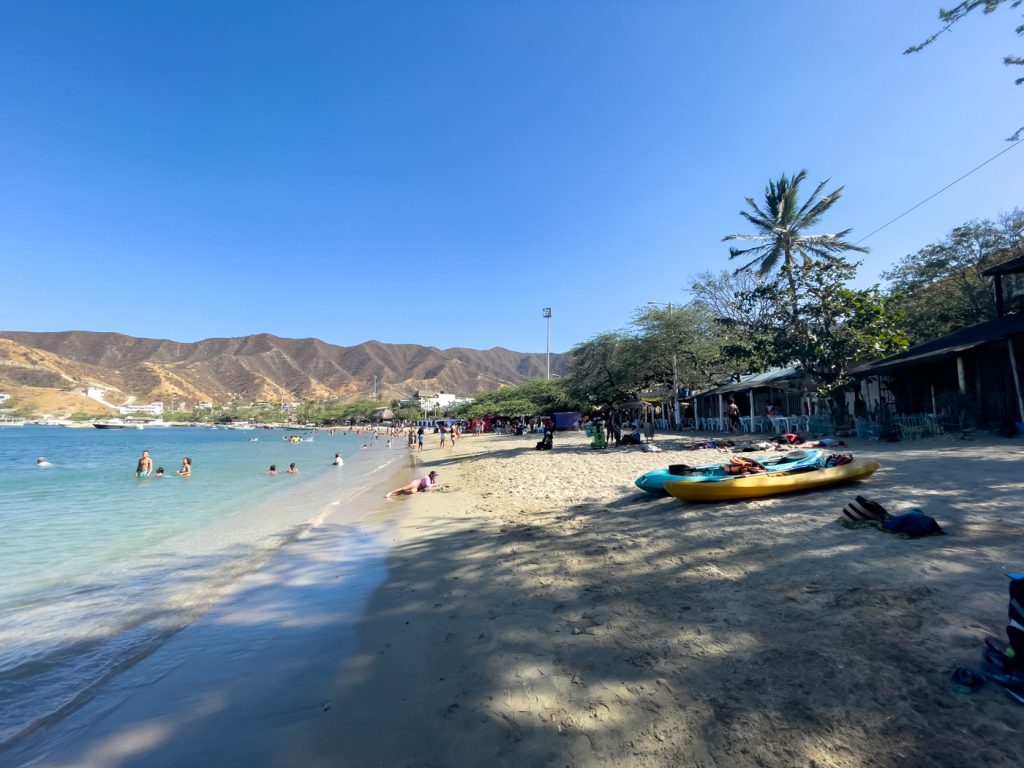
(338, 462)
(186, 467)
(145, 465)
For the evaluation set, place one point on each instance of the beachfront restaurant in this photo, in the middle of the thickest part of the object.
(965, 380)
(775, 401)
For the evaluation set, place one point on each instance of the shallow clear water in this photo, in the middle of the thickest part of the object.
(100, 566)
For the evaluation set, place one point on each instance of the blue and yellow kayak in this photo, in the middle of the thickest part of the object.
(770, 483)
(654, 481)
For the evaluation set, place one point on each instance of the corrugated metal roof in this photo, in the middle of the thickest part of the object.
(950, 344)
(755, 380)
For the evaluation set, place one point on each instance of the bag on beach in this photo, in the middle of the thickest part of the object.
(1015, 629)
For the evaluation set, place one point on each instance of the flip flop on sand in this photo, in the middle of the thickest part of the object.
(965, 681)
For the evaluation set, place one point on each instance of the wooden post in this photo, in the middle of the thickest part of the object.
(1016, 378)
(752, 414)
(961, 376)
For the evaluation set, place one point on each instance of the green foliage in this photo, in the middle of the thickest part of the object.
(941, 288)
(532, 398)
(780, 231)
(951, 16)
(834, 326)
(609, 368)
(87, 416)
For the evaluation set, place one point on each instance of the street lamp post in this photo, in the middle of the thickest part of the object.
(547, 315)
(675, 380)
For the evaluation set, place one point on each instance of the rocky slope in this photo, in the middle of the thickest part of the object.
(260, 367)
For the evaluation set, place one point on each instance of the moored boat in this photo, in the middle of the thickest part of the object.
(770, 483)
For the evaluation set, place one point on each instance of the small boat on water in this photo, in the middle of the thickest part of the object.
(755, 486)
(116, 424)
(10, 421)
(654, 481)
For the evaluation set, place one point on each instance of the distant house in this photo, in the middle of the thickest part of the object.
(429, 400)
(153, 409)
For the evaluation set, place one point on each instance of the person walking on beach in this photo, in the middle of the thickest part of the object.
(145, 465)
(421, 437)
(425, 483)
(733, 412)
(186, 467)
(444, 434)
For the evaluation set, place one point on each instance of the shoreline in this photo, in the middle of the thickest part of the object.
(164, 684)
(540, 610)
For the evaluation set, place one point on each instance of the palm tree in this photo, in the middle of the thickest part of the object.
(780, 231)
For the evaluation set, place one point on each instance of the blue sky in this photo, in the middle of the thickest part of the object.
(437, 172)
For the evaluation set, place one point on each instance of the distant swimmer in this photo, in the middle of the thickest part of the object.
(425, 483)
(272, 470)
(42, 462)
(159, 472)
(186, 467)
(145, 465)
(292, 469)
(338, 462)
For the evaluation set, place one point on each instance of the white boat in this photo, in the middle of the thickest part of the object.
(10, 421)
(157, 424)
(240, 425)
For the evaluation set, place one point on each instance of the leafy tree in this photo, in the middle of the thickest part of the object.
(539, 396)
(718, 295)
(953, 15)
(941, 288)
(691, 333)
(781, 235)
(833, 328)
(610, 368)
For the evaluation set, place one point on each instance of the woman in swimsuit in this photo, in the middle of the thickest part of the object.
(186, 467)
(425, 483)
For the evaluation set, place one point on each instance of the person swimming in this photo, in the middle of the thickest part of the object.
(159, 472)
(338, 461)
(272, 470)
(292, 469)
(42, 462)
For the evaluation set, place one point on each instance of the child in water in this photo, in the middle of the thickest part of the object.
(292, 469)
(272, 470)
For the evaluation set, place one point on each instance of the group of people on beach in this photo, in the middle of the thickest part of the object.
(145, 467)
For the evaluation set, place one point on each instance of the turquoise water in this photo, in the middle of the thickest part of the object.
(100, 566)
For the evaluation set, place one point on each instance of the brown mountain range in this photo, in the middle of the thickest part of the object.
(48, 371)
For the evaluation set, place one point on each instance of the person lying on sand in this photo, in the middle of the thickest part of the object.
(425, 483)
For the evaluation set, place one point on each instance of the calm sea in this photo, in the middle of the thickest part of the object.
(99, 567)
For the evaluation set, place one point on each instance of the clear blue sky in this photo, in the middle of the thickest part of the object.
(437, 172)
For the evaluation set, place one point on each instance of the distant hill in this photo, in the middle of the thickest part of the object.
(260, 367)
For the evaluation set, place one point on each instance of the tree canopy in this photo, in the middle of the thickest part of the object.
(941, 288)
(531, 398)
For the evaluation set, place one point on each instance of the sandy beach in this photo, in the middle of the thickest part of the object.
(538, 610)
(541, 611)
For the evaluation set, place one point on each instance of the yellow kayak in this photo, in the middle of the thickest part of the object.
(756, 486)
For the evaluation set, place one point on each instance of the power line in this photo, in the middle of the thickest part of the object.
(1014, 144)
